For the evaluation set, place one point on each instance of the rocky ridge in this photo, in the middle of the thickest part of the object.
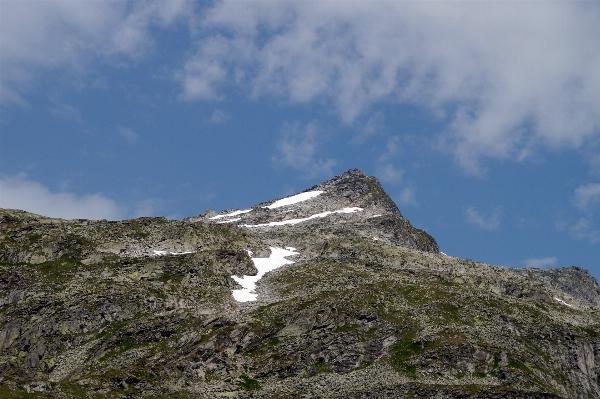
(370, 309)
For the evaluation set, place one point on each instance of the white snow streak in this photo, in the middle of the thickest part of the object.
(228, 215)
(563, 302)
(229, 220)
(294, 199)
(264, 265)
(159, 253)
(296, 221)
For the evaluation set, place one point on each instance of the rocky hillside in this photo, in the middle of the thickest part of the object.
(366, 307)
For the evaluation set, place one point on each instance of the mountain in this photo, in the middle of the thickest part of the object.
(349, 205)
(329, 293)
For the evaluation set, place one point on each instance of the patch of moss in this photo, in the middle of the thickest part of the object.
(403, 350)
(34, 237)
(345, 328)
(112, 329)
(59, 270)
(20, 393)
(249, 384)
(322, 367)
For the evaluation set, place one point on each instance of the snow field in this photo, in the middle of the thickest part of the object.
(294, 199)
(296, 221)
(228, 215)
(264, 265)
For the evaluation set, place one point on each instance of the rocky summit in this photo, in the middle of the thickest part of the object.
(328, 293)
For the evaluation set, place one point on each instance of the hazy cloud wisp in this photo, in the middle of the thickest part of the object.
(586, 195)
(490, 222)
(297, 149)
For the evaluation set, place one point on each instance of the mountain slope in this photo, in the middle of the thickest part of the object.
(145, 308)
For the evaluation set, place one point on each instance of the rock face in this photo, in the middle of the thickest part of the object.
(370, 309)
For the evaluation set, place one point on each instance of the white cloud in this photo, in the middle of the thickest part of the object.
(42, 35)
(509, 76)
(297, 149)
(540, 262)
(485, 222)
(584, 229)
(128, 135)
(586, 195)
(17, 192)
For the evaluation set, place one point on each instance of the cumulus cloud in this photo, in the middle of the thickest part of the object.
(65, 34)
(18, 192)
(540, 262)
(507, 77)
(586, 195)
(488, 222)
(297, 149)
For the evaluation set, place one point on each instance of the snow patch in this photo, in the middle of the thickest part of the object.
(563, 302)
(228, 215)
(294, 199)
(229, 220)
(160, 253)
(264, 265)
(296, 221)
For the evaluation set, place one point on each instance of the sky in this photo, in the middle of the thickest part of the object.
(480, 119)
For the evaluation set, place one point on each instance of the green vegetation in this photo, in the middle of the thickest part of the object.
(403, 350)
(249, 384)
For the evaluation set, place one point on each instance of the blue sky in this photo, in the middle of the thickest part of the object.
(481, 120)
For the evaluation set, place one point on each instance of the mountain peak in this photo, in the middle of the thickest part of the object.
(361, 189)
(350, 204)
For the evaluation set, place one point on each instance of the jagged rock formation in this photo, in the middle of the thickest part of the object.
(370, 309)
